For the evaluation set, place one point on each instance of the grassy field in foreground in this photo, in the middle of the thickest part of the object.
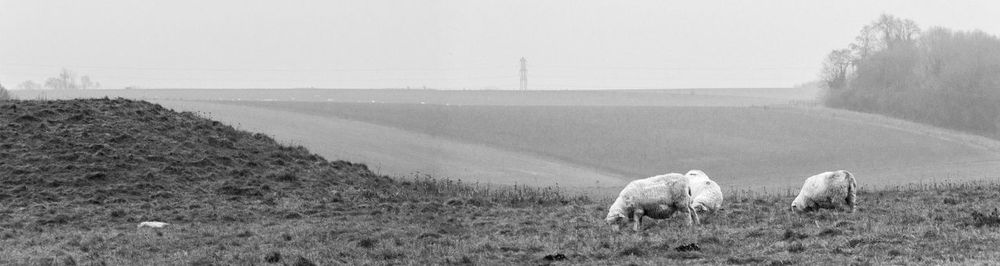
(911, 225)
(87, 171)
(738, 146)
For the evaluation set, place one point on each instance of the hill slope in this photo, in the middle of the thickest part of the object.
(401, 153)
(139, 161)
(741, 146)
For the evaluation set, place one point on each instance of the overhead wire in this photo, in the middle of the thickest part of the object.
(543, 76)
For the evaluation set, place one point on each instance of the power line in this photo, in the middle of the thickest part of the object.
(552, 73)
(467, 68)
(723, 68)
(471, 68)
(597, 78)
(312, 80)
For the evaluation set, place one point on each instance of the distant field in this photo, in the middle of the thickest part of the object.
(679, 97)
(402, 153)
(739, 146)
(593, 138)
(792, 94)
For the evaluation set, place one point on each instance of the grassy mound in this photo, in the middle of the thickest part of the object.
(93, 162)
(90, 162)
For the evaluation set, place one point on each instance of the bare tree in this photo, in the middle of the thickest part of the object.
(4, 94)
(29, 85)
(836, 68)
(68, 79)
(55, 84)
(85, 83)
(866, 43)
(885, 32)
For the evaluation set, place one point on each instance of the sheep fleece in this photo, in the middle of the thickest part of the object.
(707, 194)
(828, 190)
(658, 196)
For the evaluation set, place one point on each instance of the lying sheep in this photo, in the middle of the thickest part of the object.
(829, 190)
(657, 197)
(707, 195)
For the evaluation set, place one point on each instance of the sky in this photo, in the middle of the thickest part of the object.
(574, 44)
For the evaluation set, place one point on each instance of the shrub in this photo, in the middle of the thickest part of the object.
(4, 94)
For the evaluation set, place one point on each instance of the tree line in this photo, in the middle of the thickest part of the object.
(65, 80)
(939, 76)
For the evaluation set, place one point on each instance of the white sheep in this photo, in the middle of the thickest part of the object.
(152, 224)
(707, 195)
(657, 197)
(829, 190)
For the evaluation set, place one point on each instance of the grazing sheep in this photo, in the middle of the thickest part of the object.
(829, 190)
(707, 195)
(152, 224)
(657, 197)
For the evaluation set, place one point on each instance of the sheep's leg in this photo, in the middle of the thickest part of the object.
(692, 216)
(695, 215)
(852, 199)
(637, 216)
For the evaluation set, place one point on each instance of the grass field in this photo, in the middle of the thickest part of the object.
(601, 141)
(76, 177)
(402, 153)
(771, 147)
(914, 225)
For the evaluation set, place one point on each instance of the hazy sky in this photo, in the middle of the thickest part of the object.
(446, 44)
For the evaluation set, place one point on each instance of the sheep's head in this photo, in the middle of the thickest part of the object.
(699, 207)
(696, 174)
(800, 204)
(616, 221)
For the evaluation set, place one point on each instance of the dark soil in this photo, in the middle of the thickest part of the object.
(88, 162)
(688, 247)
